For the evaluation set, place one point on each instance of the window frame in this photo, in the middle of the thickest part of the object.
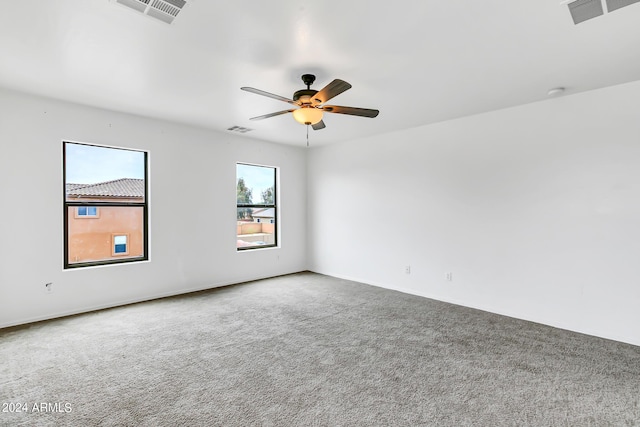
(276, 228)
(66, 204)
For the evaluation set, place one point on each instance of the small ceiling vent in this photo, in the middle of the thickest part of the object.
(239, 129)
(163, 10)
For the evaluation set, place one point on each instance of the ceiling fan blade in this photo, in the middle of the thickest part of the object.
(334, 88)
(266, 116)
(270, 95)
(319, 125)
(352, 111)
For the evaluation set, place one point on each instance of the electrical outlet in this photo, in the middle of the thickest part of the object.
(449, 276)
(48, 287)
(407, 269)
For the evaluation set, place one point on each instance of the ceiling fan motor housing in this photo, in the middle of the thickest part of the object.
(304, 96)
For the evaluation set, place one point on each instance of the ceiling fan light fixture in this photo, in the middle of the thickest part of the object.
(307, 115)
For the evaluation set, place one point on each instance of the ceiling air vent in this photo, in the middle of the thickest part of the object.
(617, 4)
(239, 129)
(164, 10)
(583, 10)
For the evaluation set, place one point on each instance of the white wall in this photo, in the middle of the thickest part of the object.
(534, 209)
(192, 209)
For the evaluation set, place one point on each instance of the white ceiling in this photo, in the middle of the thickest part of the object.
(418, 62)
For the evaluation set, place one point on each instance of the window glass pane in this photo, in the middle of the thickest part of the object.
(93, 173)
(119, 244)
(255, 185)
(87, 211)
(252, 233)
(94, 240)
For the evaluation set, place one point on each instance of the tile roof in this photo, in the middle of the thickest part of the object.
(123, 187)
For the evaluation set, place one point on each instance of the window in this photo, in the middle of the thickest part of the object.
(256, 219)
(120, 244)
(105, 205)
(87, 211)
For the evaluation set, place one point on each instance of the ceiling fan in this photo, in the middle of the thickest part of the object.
(311, 103)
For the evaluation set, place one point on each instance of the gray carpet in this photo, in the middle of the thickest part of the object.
(310, 350)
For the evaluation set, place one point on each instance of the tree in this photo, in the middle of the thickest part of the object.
(244, 196)
(267, 196)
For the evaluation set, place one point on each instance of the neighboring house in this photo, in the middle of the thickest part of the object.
(266, 215)
(104, 232)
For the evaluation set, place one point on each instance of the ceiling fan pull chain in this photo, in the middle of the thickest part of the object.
(307, 136)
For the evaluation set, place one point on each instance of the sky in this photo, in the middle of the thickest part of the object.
(88, 164)
(257, 178)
